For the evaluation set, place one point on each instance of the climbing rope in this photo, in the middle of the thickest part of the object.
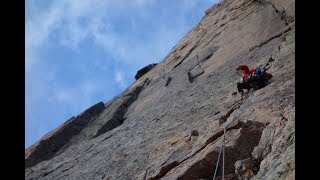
(222, 148)
(215, 172)
(223, 144)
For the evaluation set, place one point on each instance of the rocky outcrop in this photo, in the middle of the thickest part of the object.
(171, 119)
(47, 146)
(118, 116)
(144, 70)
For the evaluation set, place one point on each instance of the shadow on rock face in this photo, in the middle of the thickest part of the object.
(144, 70)
(249, 137)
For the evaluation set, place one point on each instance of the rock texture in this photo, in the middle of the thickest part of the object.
(169, 123)
(144, 70)
(48, 145)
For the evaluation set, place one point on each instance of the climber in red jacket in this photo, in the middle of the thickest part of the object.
(254, 78)
(245, 71)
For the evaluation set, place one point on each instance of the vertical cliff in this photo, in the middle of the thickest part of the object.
(169, 123)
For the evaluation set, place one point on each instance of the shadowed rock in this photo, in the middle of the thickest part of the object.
(47, 146)
(144, 70)
(118, 116)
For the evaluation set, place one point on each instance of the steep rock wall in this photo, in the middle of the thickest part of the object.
(194, 90)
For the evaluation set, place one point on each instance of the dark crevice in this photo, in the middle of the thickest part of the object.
(221, 25)
(147, 82)
(177, 64)
(273, 37)
(247, 15)
(283, 117)
(165, 169)
(201, 57)
(287, 20)
(89, 147)
(220, 133)
(191, 50)
(257, 163)
(279, 48)
(267, 66)
(247, 168)
(47, 172)
(66, 169)
(242, 6)
(186, 56)
(216, 113)
(189, 77)
(206, 54)
(226, 116)
(168, 81)
(207, 57)
(213, 38)
(194, 73)
(183, 46)
(118, 117)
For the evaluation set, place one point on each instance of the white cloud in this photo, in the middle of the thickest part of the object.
(189, 3)
(63, 97)
(68, 14)
(120, 79)
(41, 25)
(88, 88)
(95, 19)
(142, 3)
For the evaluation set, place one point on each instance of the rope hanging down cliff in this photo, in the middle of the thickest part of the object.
(222, 148)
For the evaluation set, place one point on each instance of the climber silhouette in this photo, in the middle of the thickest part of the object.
(254, 78)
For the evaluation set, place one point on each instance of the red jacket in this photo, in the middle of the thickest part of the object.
(245, 70)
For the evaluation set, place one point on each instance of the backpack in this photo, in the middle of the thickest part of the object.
(263, 75)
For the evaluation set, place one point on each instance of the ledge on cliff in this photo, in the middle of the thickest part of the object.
(144, 70)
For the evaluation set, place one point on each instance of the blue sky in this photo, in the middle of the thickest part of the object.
(80, 52)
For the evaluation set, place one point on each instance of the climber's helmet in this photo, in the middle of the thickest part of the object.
(257, 71)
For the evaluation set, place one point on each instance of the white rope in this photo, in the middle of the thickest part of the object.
(223, 152)
(215, 172)
(221, 149)
(223, 143)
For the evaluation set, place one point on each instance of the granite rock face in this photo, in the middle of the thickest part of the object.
(144, 70)
(169, 123)
(48, 145)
